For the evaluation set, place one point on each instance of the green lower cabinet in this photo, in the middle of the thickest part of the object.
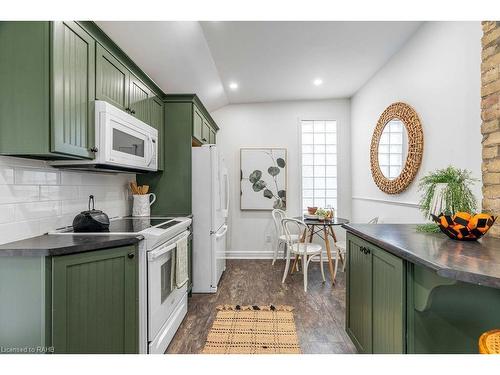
(359, 298)
(95, 302)
(375, 310)
(388, 303)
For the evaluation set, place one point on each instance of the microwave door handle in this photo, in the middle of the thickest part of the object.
(151, 150)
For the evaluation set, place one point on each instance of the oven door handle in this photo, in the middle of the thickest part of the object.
(152, 255)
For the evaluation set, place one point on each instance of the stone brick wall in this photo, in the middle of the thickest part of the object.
(490, 114)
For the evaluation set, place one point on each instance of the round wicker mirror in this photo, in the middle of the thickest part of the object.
(398, 124)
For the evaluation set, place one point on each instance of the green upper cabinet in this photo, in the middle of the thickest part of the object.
(112, 79)
(212, 137)
(375, 311)
(51, 73)
(157, 121)
(73, 90)
(139, 99)
(197, 123)
(95, 302)
(47, 71)
(205, 132)
(203, 129)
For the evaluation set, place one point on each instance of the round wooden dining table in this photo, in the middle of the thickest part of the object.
(324, 230)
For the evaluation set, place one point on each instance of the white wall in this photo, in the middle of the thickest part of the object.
(275, 124)
(438, 73)
(36, 198)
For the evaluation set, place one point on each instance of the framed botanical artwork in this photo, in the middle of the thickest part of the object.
(263, 178)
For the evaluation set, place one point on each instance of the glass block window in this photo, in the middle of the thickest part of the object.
(391, 149)
(319, 163)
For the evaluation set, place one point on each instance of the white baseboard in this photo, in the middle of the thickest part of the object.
(235, 254)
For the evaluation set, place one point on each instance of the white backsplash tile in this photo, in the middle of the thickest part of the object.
(57, 193)
(36, 176)
(7, 213)
(18, 193)
(36, 198)
(6, 175)
(19, 230)
(36, 210)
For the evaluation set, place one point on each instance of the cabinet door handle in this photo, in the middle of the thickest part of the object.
(131, 255)
(204, 139)
(127, 109)
(132, 111)
(94, 149)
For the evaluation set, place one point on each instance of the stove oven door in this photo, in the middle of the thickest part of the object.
(163, 295)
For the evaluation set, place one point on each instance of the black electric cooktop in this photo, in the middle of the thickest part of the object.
(136, 224)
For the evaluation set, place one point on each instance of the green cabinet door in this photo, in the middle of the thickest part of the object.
(95, 302)
(139, 99)
(205, 132)
(112, 79)
(359, 296)
(157, 117)
(197, 123)
(73, 90)
(212, 137)
(388, 312)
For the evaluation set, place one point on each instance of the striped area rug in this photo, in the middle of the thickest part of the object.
(253, 330)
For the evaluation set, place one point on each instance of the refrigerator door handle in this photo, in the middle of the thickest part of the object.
(226, 209)
(219, 235)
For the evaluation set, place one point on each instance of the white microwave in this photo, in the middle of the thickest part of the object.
(123, 143)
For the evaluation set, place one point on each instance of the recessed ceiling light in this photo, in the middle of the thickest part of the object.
(233, 85)
(318, 82)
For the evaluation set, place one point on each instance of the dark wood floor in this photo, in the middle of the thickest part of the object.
(319, 314)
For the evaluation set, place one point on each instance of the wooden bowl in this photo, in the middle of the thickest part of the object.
(312, 210)
(464, 226)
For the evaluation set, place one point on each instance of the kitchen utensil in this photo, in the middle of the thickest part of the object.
(91, 220)
(142, 204)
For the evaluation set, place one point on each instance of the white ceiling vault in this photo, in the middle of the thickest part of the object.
(270, 61)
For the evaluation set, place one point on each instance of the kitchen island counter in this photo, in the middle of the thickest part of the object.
(475, 262)
(413, 292)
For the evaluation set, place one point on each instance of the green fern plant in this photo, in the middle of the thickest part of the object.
(457, 193)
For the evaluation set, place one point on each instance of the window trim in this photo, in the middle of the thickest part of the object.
(299, 161)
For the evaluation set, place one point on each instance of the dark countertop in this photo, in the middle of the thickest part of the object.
(52, 244)
(475, 262)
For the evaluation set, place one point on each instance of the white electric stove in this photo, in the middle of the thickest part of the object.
(162, 305)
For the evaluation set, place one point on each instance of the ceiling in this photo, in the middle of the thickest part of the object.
(270, 61)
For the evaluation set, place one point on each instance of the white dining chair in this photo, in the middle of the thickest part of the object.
(278, 216)
(342, 246)
(306, 250)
